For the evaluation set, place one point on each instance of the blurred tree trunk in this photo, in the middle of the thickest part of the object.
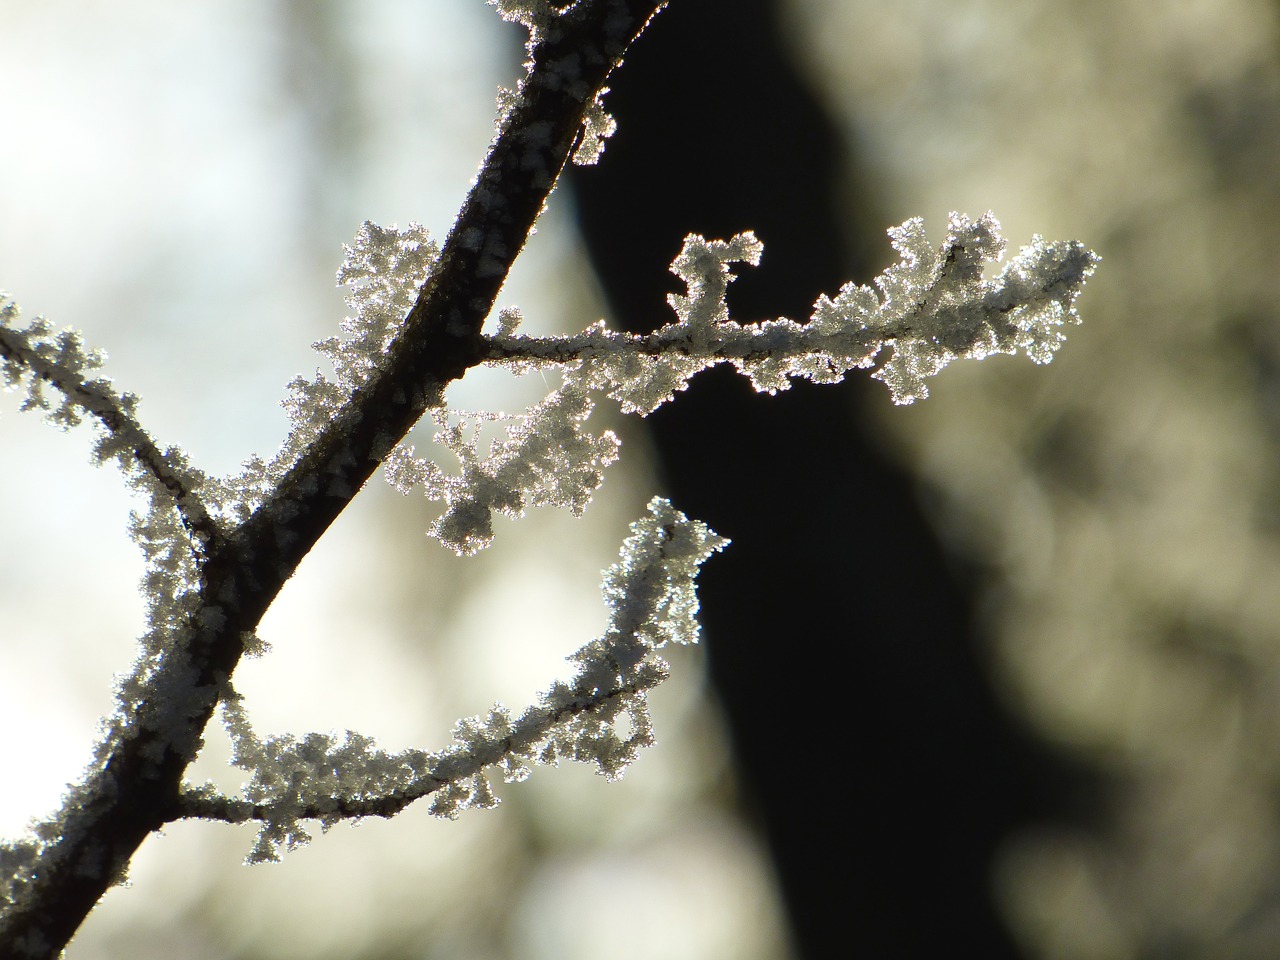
(839, 639)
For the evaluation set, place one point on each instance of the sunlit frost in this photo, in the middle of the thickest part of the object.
(599, 716)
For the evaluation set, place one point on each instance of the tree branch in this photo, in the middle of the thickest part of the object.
(457, 769)
(133, 787)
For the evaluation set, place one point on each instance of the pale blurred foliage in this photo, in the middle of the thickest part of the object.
(177, 181)
(1122, 503)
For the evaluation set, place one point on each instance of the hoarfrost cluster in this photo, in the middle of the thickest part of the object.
(546, 459)
(176, 526)
(533, 14)
(383, 269)
(598, 716)
(934, 306)
(597, 127)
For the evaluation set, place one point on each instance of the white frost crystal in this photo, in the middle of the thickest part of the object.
(938, 307)
(383, 270)
(529, 13)
(173, 529)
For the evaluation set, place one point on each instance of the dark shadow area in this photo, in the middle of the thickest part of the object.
(872, 747)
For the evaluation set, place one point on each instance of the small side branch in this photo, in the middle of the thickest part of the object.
(321, 777)
(59, 361)
(932, 307)
(450, 770)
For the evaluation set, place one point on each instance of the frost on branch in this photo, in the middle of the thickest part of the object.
(546, 459)
(175, 528)
(174, 531)
(597, 125)
(599, 716)
(19, 861)
(933, 306)
(37, 359)
(383, 269)
(938, 307)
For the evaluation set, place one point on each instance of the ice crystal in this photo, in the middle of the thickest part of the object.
(532, 14)
(933, 306)
(383, 270)
(938, 308)
(296, 778)
(37, 358)
(509, 320)
(642, 383)
(597, 127)
(173, 529)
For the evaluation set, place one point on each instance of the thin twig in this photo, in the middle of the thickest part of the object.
(114, 412)
(450, 768)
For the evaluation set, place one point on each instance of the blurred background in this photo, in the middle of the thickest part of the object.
(997, 670)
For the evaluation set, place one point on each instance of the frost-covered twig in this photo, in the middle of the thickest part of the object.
(319, 777)
(934, 306)
(35, 357)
